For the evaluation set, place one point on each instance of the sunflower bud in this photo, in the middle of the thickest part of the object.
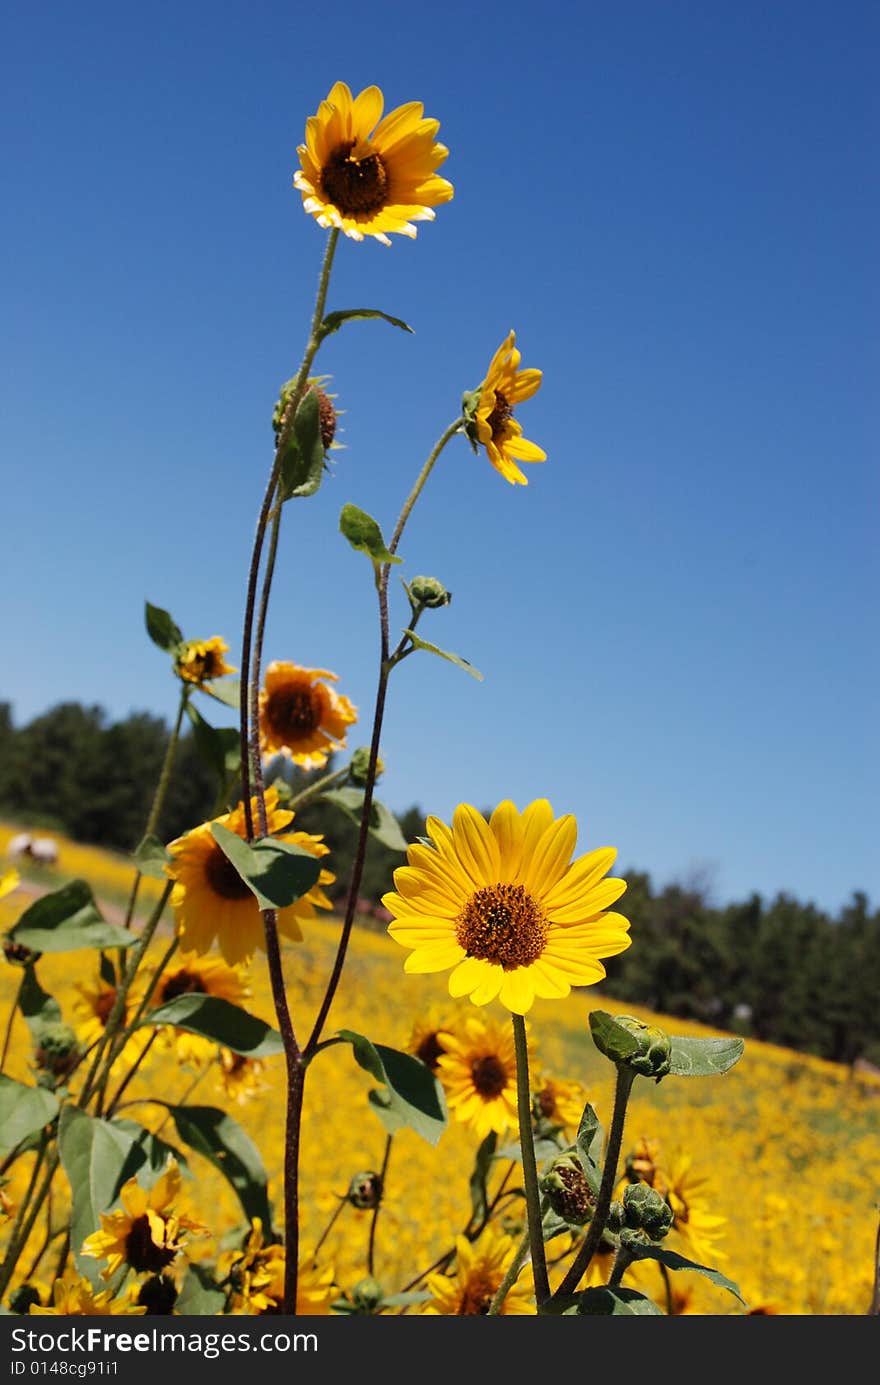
(19, 955)
(615, 1218)
(428, 591)
(367, 1295)
(644, 1210)
(365, 1191)
(653, 1057)
(566, 1188)
(360, 765)
(57, 1049)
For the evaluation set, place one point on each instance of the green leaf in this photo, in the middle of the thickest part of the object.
(302, 462)
(603, 1302)
(66, 920)
(673, 1261)
(588, 1144)
(611, 1038)
(545, 1150)
(219, 746)
(703, 1057)
(333, 321)
(277, 873)
(479, 1175)
(155, 1151)
(97, 1157)
(151, 858)
(225, 690)
(364, 534)
(200, 1296)
(444, 654)
(411, 1094)
(161, 628)
(215, 1135)
(24, 1111)
(220, 1021)
(36, 1005)
(383, 824)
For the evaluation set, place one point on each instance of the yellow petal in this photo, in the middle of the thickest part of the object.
(475, 845)
(518, 990)
(551, 856)
(506, 823)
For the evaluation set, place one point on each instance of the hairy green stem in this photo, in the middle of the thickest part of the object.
(511, 1274)
(530, 1168)
(10, 1022)
(622, 1262)
(371, 1247)
(320, 786)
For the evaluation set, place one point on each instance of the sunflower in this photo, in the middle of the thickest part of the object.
(698, 1227)
(197, 975)
(93, 1005)
(241, 1078)
(427, 1039)
(210, 900)
(501, 904)
(368, 176)
(302, 717)
(478, 1072)
(256, 1274)
(146, 1235)
(494, 424)
(73, 1295)
(201, 660)
(9, 881)
(559, 1103)
(479, 1269)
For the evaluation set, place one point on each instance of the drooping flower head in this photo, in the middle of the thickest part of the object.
(211, 901)
(368, 176)
(478, 1073)
(479, 1270)
(147, 1233)
(493, 423)
(502, 905)
(301, 715)
(201, 660)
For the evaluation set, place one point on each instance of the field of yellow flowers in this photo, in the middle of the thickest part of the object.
(779, 1155)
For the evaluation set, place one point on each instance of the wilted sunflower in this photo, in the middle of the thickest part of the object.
(493, 422)
(192, 974)
(478, 1073)
(368, 176)
(211, 901)
(73, 1296)
(479, 1269)
(256, 1276)
(301, 716)
(503, 906)
(201, 660)
(147, 1234)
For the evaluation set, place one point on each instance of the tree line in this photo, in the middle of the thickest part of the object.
(779, 970)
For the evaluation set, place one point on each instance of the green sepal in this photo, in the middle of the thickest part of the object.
(161, 628)
(302, 462)
(225, 690)
(383, 824)
(364, 534)
(24, 1111)
(67, 920)
(219, 1020)
(222, 1141)
(200, 1296)
(703, 1057)
(277, 873)
(333, 321)
(456, 659)
(604, 1302)
(219, 746)
(611, 1038)
(588, 1145)
(410, 1094)
(479, 1176)
(673, 1261)
(151, 858)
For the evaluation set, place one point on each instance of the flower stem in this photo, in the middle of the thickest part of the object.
(10, 1022)
(328, 1228)
(28, 1212)
(375, 1217)
(874, 1310)
(417, 489)
(622, 1262)
(625, 1079)
(159, 796)
(530, 1168)
(318, 787)
(510, 1277)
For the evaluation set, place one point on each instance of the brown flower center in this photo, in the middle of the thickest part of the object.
(185, 982)
(141, 1251)
(489, 1075)
(500, 417)
(356, 186)
(294, 713)
(104, 1003)
(223, 878)
(326, 418)
(429, 1050)
(477, 1296)
(502, 924)
(546, 1102)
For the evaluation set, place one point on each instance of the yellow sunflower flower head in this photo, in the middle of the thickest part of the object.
(501, 905)
(369, 176)
(301, 716)
(212, 903)
(146, 1234)
(240, 1078)
(479, 1269)
(256, 1275)
(558, 1103)
(192, 974)
(478, 1071)
(489, 416)
(73, 1295)
(201, 660)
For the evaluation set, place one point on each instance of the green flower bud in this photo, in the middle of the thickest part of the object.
(615, 1218)
(566, 1189)
(360, 764)
(644, 1210)
(365, 1191)
(654, 1053)
(428, 591)
(367, 1295)
(57, 1049)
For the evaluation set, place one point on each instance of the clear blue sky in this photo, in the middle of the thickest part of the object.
(675, 206)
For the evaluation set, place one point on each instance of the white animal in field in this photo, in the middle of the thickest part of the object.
(41, 849)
